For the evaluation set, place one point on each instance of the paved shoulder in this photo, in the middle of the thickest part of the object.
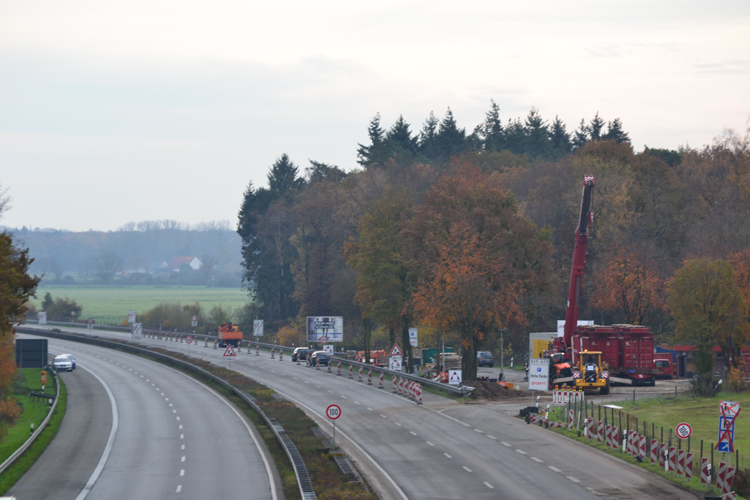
(62, 470)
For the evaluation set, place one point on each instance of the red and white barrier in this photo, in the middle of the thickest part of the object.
(688, 466)
(419, 394)
(662, 455)
(600, 432)
(351, 375)
(257, 350)
(561, 396)
(273, 351)
(394, 384)
(654, 451)
(720, 477)
(360, 374)
(681, 462)
(570, 420)
(216, 343)
(729, 479)
(672, 459)
(642, 448)
(590, 428)
(338, 373)
(705, 477)
(380, 383)
(328, 365)
(206, 344)
(369, 376)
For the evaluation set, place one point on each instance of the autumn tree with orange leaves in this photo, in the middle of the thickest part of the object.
(16, 286)
(631, 285)
(479, 259)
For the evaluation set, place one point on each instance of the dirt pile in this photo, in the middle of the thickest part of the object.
(491, 391)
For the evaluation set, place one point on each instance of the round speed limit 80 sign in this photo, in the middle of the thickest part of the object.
(333, 412)
(683, 430)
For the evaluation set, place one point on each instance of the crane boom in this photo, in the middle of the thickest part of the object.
(579, 261)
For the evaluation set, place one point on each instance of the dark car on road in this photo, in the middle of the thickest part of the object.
(319, 358)
(484, 358)
(300, 353)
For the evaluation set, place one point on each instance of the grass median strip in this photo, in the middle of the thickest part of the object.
(32, 412)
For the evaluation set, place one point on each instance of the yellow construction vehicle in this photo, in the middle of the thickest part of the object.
(591, 372)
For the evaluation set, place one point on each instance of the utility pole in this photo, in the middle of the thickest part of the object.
(503, 331)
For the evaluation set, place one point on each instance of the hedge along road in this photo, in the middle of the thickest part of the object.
(165, 436)
(443, 449)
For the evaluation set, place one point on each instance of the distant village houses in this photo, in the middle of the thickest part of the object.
(174, 265)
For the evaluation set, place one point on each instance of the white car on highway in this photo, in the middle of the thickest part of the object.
(65, 362)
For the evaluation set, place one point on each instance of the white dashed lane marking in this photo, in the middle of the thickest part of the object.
(491, 437)
(179, 489)
(448, 456)
(553, 468)
(521, 452)
(466, 469)
(573, 479)
(429, 443)
(412, 433)
(537, 460)
(489, 485)
(398, 424)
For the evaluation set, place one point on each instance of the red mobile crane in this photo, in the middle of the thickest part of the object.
(627, 351)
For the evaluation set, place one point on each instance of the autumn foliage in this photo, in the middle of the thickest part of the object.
(631, 285)
(479, 259)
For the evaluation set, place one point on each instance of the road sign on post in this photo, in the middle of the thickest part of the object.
(396, 351)
(195, 321)
(683, 430)
(258, 328)
(538, 374)
(188, 339)
(413, 337)
(131, 317)
(454, 377)
(333, 412)
(728, 411)
(42, 316)
(328, 348)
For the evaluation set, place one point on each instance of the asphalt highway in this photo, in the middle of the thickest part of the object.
(137, 429)
(443, 449)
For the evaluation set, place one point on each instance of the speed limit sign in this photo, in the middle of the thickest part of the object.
(683, 430)
(333, 412)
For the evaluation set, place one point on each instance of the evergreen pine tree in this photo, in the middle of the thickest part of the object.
(581, 135)
(320, 172)
(450, 138)
(428, 137)
(491, 132)
(367, 155)
(538, 144)
(595, 128)
(615, 132)
(515, 137)
(560, 138)
(284, 176)
(399, 136)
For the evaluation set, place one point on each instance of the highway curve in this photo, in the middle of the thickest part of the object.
(160, 435)
(443, 449)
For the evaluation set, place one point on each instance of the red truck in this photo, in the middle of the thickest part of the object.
(663, 365)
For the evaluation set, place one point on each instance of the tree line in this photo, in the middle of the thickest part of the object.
(463, 234)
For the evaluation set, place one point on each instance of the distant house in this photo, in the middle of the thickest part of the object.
(176, 263)
(159, 267)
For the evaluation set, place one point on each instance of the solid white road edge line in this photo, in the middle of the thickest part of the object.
(110, 441)
(353, 442)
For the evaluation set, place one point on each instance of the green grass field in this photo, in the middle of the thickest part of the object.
(701, 413)
(110, 304)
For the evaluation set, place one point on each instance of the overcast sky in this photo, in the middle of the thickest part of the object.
(119, 111)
